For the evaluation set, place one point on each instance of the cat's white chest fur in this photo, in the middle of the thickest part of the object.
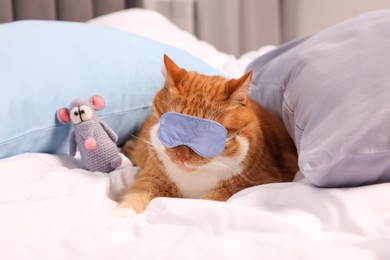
(200, 180)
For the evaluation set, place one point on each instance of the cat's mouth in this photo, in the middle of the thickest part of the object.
(185, 158)
(185, 167)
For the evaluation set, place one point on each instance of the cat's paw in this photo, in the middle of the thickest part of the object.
(124, 212)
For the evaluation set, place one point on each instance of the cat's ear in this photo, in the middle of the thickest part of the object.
(173, 73)
(238, 89)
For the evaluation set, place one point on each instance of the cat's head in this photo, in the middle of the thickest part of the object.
(215, 98)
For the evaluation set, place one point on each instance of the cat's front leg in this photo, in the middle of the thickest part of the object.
(151, 183)
(140, 193)
(217, 194)
(135, 201)
(225, 189)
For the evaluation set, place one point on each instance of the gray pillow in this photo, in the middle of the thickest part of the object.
(332, 90)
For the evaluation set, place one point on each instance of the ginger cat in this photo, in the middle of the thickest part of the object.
(257, 150)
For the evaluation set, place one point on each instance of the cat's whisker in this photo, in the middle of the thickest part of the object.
(141, 139)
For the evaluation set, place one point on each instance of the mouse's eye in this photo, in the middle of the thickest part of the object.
(81, 114)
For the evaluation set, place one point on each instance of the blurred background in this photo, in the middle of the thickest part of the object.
(233, 26)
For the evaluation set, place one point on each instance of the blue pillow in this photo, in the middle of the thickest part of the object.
(44, 65)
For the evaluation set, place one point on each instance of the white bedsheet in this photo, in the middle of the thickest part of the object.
(51, 209)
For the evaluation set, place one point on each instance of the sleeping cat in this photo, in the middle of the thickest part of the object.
(255, 148)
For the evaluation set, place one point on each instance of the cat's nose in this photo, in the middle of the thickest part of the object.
(183, 153)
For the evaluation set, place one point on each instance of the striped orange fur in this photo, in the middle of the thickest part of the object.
(262, 151)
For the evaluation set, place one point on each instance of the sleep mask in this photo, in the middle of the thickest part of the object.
(205, 137)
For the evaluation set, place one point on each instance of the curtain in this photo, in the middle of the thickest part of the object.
(238, 26)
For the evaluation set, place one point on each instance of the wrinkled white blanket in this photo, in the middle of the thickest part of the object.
(51, 209)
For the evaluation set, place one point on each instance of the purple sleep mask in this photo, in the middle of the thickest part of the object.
(205, 137)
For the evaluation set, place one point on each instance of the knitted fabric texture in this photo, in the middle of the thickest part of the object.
(105, 156)
(95, 140)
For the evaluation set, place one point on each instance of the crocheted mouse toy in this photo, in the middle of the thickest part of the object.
(95, 140)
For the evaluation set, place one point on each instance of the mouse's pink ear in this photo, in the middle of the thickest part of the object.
(97, 102)
(63, 115)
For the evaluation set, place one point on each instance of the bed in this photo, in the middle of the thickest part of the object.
(52, 208)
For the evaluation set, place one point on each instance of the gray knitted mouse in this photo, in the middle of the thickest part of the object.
(95, 140)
